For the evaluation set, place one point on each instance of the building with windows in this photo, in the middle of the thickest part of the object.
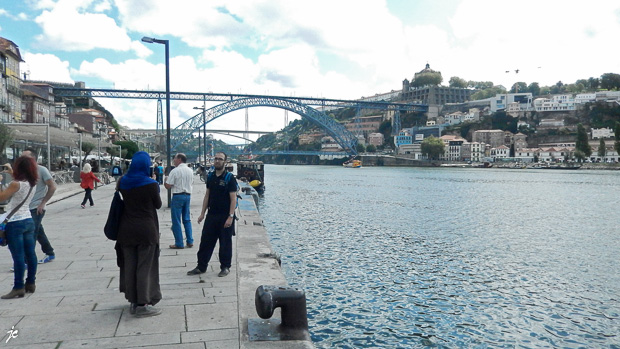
(602, 133)
(555, 103)
(512, 102)
(494, 138)
(364, 124)
(376, 139)
(10, 82)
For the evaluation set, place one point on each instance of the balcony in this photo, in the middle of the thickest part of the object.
(14, 90)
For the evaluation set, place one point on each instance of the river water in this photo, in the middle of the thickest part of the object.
(445, 257)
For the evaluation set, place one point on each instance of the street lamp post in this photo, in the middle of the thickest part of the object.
(80, 152)
(99, 151)
(204, 125)
(165, 43)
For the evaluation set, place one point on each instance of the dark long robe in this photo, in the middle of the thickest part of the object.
(137, 246)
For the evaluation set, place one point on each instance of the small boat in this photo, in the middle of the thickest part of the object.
(353, 164)
(253, 172)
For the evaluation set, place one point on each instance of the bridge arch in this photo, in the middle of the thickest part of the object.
(333, 128)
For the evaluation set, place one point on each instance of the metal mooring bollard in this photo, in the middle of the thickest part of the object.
(292, 303)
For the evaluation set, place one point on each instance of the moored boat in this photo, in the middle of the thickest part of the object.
(353, 164)
(253, 172)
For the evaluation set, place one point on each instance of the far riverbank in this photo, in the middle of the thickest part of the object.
(389, 160)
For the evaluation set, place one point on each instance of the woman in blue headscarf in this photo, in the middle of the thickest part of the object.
(137, 245)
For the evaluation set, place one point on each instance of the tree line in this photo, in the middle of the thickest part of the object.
(486, 89)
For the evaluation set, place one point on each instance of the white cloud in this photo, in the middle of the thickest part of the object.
(554, 35)
(332, 49)
(69, 28)
(46, 67)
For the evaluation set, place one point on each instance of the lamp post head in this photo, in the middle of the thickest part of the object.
(153, 40)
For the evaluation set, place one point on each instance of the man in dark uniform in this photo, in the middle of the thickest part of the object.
(220, 200)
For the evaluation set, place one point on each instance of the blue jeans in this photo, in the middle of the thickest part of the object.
(39, 233)
(179, 209)
(20, 236)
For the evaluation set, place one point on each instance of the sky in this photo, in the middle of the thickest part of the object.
(342, 49)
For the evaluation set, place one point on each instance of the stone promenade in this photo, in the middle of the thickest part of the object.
(77, 303)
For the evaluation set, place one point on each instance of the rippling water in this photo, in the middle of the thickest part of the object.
(412, 257)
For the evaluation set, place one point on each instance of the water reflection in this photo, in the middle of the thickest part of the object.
(408, 257)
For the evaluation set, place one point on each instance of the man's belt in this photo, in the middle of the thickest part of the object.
(182, 194)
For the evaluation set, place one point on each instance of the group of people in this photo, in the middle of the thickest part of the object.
(137, 246)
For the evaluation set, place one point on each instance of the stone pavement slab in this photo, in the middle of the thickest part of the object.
(77, 303)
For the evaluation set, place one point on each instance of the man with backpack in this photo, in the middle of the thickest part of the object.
(219, 204)
(116, 171)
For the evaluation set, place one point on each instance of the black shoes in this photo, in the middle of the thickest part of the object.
(195, 271)
(224, 272)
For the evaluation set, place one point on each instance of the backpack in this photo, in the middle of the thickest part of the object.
(227, 178)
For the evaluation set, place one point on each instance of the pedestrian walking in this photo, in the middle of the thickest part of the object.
(45, 189)
(219, 202)
(88, 184)
(117, 172)
(20, 227)
(137, 245)
(160, 173)
(180, 183)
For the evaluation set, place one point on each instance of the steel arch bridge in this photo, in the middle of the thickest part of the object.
(340, 134)
(232, 102)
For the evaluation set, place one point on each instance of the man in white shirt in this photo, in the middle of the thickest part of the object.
(180, 183)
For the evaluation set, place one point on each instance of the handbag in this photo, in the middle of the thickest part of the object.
(3, 241)
(114, 217)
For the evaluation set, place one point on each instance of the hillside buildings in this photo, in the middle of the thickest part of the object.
(25, 104)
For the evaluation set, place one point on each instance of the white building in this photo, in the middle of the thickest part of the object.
(585, 97)
(551, 123)
(329, 144)
(555, 103)
(500, 152)
(502, 101)
(376, 139)
(602, 133)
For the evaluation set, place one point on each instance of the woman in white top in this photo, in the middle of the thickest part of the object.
(20, 227)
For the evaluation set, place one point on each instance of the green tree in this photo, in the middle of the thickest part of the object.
(129, 146)
(617, 136)
(534, 89)
(6, 138)
(87, 148)
(602, 151)
(582, 144)
(427, 79)
(386, 129)
(487, 93)
(610, 81)
(371, 148)
(593, 84)
(480, 85)
(432, 147)
(457, 82)
(518, 87)
(360, 148)
(580, 156)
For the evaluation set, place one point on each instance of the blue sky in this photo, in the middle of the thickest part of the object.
(334, 49)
